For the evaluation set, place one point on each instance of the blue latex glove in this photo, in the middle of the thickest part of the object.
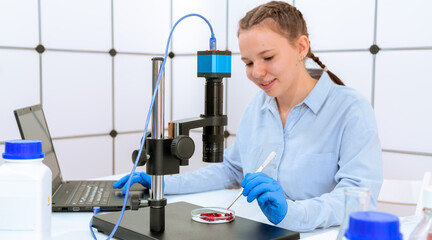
(140, 177)
(268, 193)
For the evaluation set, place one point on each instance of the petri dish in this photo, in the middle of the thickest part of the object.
(212, 215)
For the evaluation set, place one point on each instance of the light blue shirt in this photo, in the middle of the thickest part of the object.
(329, 142)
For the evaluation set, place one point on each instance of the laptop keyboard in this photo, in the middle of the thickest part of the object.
(92, 193)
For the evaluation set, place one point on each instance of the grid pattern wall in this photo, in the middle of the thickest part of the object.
(89, 64)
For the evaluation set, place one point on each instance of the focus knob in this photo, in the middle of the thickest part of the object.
(182, 147)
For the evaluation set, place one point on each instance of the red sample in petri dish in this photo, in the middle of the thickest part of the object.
(212, 215)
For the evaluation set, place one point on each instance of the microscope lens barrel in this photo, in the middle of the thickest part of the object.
(213, 135)
(214, 66)
(213, 145)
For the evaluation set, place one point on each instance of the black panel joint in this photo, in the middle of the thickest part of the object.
(112, 52)
(40, 48)
(113, 133)
(171, 55)
(374, 49)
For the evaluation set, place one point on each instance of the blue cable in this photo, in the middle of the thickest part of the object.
(212, 44)
(95, 211)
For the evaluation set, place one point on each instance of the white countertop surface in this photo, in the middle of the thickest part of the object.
(76, 225)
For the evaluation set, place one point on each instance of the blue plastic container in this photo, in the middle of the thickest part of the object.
(23, 149)
(372, 225)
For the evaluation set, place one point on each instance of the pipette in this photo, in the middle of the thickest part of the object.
(266, 162)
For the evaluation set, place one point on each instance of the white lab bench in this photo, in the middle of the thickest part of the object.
(76, 225)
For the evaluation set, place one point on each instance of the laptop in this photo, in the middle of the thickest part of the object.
(71, 196)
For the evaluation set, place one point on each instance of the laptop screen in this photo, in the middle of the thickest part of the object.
(32, 125)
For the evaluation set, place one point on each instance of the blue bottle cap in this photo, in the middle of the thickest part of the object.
(23, 149)
(371, 225)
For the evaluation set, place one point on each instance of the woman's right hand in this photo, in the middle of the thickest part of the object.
(141, 177)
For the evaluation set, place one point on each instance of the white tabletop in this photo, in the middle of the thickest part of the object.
(75, 225)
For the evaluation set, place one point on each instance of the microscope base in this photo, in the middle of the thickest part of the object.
(179, 225)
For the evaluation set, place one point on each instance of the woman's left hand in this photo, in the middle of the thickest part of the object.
(268, 193)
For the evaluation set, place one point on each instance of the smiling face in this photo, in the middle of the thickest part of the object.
(272, 62)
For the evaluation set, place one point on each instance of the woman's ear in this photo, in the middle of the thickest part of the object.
(303, 45)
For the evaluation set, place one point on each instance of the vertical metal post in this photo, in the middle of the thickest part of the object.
(157, 213)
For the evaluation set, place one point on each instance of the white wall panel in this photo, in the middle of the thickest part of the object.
(353, 68)
(19, 20)
(77, 93)
(240, 92)
(133, 91)
(339, 24)
(193, 33)
(19, 87)
(405, 166)
(188, 89)
(403, 98)
(125, 144)
(2, 149)
(237, 9)
(84, 158)
(141, 26)
(76, 24)
(404, 24)
(398, 210)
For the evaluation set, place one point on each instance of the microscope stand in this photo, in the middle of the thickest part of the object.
(179, 225)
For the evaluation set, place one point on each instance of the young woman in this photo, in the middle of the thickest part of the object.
(324, 133)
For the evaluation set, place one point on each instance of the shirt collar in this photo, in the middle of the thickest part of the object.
(269, 103)
(319, 93)
(314, 100)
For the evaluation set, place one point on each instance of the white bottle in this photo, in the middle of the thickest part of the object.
(423, 231)
(25, 196)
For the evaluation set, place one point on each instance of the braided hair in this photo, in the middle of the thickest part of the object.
(289, 22)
